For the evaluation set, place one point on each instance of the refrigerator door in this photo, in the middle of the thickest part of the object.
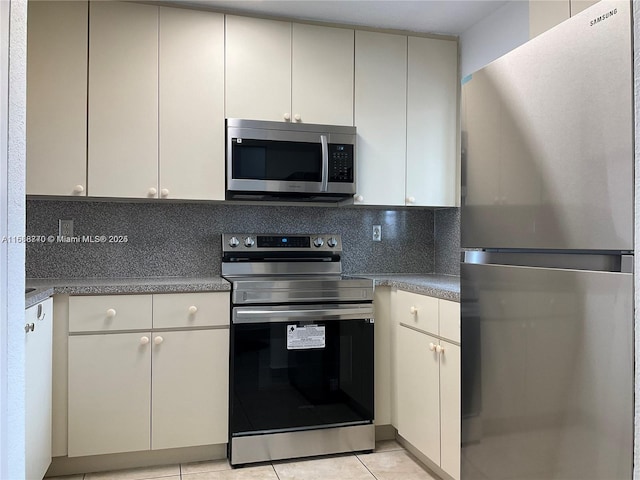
(547, 136)
(547, 368)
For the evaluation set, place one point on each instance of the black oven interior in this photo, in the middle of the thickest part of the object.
(279, 388)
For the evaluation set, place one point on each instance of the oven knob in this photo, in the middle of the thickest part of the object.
(234, 242)
(249, 242)
(332, 242)
(318, 242)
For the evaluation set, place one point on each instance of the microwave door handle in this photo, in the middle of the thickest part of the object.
(325, 163)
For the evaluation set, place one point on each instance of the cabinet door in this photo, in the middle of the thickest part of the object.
(450, 416)
(432, 122)
(109, 392)
(98, 313)
(123, 100)
(202, 309)
(578, 6)
(257, 68)
(322, 75)
(57, 98)
(419, 392)
(38, 371)
(449, 320)
(380, 115)
(546, 14)
(191, 96)
(417, 311)
(190, 388)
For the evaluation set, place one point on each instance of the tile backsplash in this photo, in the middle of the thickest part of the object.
(183, 239)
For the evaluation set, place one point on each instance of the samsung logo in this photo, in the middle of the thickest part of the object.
(602, 18)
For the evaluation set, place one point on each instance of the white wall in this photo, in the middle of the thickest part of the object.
(493, 36)
(13, 19)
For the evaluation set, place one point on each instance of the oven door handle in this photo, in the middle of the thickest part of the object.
(320, 314)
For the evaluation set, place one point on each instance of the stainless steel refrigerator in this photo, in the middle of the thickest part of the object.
(547, 234)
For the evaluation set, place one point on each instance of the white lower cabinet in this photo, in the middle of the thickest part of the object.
(428, 377)
(188, 388)
(109, 393)
(419, 392)
(166, 387)
(38, 384)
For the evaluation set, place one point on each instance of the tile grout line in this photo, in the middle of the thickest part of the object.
(363, 464)
(275, 471)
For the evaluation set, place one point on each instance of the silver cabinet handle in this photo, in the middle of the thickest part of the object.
(41, 312)
(325, 163)
(29, 327)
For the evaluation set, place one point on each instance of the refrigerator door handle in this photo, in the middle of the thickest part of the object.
(592, 261)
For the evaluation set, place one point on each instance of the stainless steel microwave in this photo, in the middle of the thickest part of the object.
(289, 161)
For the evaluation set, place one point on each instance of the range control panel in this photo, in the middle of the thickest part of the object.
(271, 243)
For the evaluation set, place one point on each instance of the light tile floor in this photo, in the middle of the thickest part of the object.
(389, 461)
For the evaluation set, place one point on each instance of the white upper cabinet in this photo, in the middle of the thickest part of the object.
(406, 98)
(322, 75)
(380, 117)
(57, 98)
(156, 102)
(432, 122)
(281, 71)
(546, 14)
(258, 68)
(123, 100)
(191, 104)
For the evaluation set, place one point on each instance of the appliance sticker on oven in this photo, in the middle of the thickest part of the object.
(305, 337)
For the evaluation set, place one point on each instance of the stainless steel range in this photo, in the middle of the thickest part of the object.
(301, 373)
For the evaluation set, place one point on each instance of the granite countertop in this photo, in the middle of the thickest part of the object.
(116, 286)
(446, 287)
(36, 295)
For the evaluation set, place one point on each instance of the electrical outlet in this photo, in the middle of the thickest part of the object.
(377, 233)
(65, 228)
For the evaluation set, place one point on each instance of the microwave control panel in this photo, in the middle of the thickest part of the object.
(341, 163)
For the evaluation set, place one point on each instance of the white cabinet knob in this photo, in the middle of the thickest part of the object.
(153, 191)
(413, 310)
(432, 347)
(287, 116)
(78, 189)
(411, 200)
(164, 192)
(111, 313)
(439, 349)
(144, 340)
(297, 117)
(158, 340)
(359, 198)
(193, 309)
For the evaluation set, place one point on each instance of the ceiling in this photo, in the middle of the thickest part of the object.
(449, 17)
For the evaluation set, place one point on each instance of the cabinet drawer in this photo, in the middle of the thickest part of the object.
(109, 312)
(190, 309)
(418, 311)
(450, 320)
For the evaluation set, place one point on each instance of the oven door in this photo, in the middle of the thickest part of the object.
(300, 367)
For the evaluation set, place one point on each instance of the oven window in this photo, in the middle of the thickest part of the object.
(274, 160)
(276, 387)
